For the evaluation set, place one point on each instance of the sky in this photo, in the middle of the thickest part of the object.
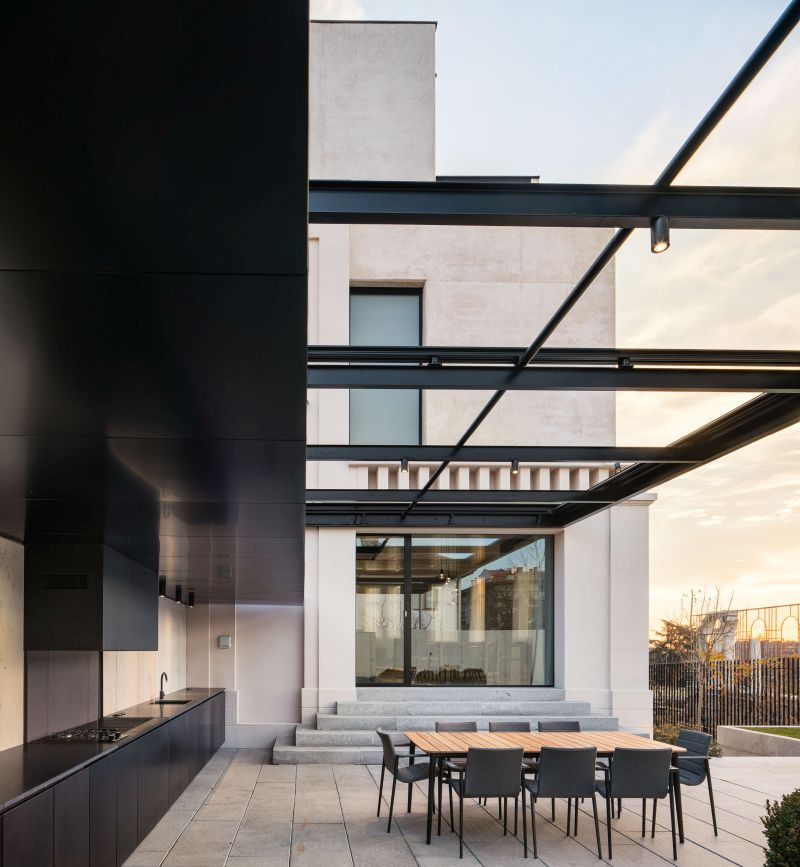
(580, 91)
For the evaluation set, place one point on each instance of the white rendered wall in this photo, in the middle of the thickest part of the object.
(12, 656)
(371, 110)
(601, 614)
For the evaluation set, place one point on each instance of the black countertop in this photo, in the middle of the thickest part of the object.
(33, 767)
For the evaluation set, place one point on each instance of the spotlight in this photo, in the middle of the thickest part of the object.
(515, 467)
(178, 593)
(404, 465)
(659, 234)
(191, 598)
(162, 585)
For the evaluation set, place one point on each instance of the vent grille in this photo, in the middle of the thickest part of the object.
(65, 582)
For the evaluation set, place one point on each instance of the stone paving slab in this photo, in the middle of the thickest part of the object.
(242, 811)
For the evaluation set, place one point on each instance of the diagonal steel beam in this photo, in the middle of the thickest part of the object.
(752, 66)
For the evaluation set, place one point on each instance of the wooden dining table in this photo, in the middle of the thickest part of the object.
(447, 745)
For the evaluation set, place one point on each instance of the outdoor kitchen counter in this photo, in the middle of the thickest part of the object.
(30, 768)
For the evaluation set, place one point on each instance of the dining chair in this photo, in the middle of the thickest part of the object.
(555, 725)
(563, 773)
(528, 765)
(448, 766)
(693, 765)
(410, 774)
(487, 773)
(639, 773)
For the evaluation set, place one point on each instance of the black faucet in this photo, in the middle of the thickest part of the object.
(161, 685)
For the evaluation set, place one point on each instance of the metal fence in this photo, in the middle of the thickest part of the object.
(735, 692)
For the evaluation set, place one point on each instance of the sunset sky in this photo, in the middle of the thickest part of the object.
(578, 91)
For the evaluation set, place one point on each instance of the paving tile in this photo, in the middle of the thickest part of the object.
(277, 774)
(258, 861)
(203, 844)
(221, 812)
(220, 797)
(145, 859)
(262, 842)
(167, 831)
(315, 845)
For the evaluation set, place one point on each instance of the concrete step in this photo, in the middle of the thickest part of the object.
(463, 708)
(305, 736)
(289, 755)
(339, 722)
(459, 693)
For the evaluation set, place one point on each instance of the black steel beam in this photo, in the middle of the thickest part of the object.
(571, 205)
(754, 420)
(553, 378)
(593, 356)
(395, 495)
(503, 454)
(518, 519)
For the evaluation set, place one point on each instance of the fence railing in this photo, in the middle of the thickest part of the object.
(736, 692)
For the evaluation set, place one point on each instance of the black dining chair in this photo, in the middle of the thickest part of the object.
(409, 774)
(487, 773)
(641, 774)
(555, 725)
(563, 773)
(448, 766)
(693, 765)
(528, 765)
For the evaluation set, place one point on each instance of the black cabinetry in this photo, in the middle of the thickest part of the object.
(127, 768)
(103, 783)
(153, 777)
(71, 821)
(28, 833)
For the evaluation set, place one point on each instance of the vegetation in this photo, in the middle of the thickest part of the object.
(782, 830)
(785, 731)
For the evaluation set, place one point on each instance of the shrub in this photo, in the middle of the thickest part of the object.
(782, 830)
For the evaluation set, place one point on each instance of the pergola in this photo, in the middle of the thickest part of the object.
(774, 376)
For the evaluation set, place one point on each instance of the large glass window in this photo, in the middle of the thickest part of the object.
(453, 610)
(381, 317)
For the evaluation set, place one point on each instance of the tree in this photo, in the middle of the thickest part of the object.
(673, 643)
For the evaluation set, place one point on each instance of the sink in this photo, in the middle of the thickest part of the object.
(171, 701)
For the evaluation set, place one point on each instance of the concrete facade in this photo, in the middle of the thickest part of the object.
(12, 654)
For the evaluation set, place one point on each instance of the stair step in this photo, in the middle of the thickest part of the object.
(472, 708)
(459, 693)
(288, 755)
(333, 722)
(308, 737)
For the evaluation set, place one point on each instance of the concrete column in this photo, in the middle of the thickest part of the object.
(12, 656)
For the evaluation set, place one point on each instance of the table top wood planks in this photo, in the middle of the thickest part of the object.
(458, 743)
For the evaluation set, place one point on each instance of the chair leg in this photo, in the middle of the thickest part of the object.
(516, 812)
(460, 825)
(672, 821)
(711, 801)
(553, 805)
(452, 823)
(533, 827)
(619, 808)
(653, 825)
(524, 824)
(391, 805)
(596, 826)
(569, 815)
(644, 815)
(505, 816)
(410, 793)
(380, 790)
(575, 831)
(499, 808)
(608, 823)
(439, 832)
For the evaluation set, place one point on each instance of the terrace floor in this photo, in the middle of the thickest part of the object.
(241, 811)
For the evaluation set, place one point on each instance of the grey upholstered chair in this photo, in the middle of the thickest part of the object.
(693, 765)
(563, 773)
(391, 762)
(639, 773)
(449, 766)
(487, 773)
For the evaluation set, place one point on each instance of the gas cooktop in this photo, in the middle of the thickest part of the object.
(84, 735)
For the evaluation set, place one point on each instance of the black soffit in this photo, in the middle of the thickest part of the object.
(153, 287)
(514, 204)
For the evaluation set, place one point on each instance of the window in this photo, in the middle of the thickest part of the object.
(480, 610)
(382, 317)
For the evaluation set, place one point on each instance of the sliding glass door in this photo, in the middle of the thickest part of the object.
(466, 610)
